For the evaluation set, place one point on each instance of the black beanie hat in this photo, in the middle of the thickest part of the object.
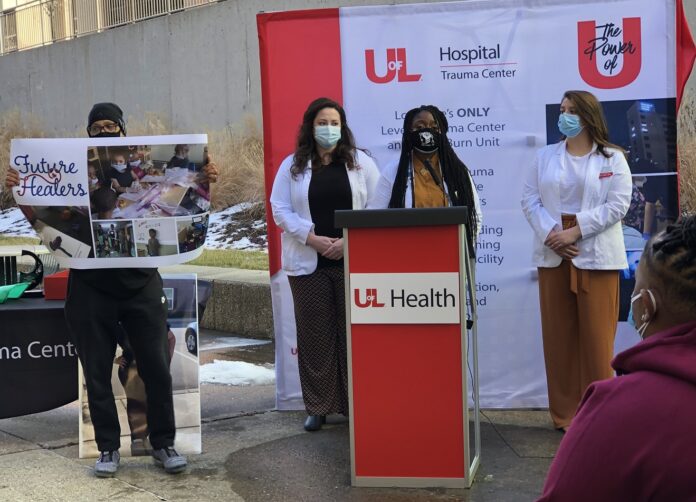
(106, 111)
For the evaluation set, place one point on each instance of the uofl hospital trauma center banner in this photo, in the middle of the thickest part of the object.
(498, 69)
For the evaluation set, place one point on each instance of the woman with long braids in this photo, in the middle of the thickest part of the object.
(633, 436)
(576, 192)
(428, 173)
(327, 172)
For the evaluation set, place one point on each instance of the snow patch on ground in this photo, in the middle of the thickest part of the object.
(232, 228)
(13, 222)
(237, 373)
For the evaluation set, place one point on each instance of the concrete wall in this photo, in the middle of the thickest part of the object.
(197, 69)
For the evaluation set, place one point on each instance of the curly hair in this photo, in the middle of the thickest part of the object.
(306, 151)
(455, 173)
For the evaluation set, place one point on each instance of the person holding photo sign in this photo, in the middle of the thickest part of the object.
(575, 194)
(428, 172)
(327, 172)
(102, 301)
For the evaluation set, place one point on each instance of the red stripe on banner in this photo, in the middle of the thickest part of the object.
(300, 53)
(686, 51)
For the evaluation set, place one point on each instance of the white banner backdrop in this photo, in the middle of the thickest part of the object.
(498, 70)
(493, 67)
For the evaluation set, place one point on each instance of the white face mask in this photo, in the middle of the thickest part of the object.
(93, 181)
(641, 329)
(135, 163)
(119, 167)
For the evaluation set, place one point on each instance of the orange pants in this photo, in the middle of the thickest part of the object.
(579, 312)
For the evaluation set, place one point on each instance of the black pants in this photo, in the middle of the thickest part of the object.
(93, 318)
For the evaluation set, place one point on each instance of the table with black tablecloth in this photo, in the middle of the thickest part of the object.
(38, 363)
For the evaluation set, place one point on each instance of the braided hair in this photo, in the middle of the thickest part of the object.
(671, 258)
(456, 175)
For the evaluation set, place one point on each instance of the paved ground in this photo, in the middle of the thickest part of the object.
(253, 453)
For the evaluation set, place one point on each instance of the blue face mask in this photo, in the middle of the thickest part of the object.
(646, 322)
(327, 135)
(569, 124)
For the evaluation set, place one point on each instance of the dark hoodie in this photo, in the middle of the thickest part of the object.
(634, 437)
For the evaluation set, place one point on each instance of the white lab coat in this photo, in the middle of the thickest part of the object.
(290, 206)
(606, 197)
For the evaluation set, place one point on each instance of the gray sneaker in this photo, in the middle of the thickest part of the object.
(169, 459)
(107, 464)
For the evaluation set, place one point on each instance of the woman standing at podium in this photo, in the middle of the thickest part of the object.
(327, 172)
(428, 172)
(576, 193)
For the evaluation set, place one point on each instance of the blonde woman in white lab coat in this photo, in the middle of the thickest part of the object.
(576, 193)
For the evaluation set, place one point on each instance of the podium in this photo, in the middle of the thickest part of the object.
(412, 362)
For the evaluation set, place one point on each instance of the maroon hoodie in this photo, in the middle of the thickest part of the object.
(634, 437)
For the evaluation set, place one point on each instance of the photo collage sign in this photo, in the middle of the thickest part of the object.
(115, 202)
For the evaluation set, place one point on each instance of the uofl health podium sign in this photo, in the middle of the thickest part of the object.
(405, 298)
(408, 280)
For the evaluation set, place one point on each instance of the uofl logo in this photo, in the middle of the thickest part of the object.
(603, 45)
(396, 67)
(370, 299)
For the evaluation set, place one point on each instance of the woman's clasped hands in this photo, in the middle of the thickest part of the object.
(328, 247)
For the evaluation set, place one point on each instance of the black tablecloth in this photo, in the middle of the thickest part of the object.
(38, 363)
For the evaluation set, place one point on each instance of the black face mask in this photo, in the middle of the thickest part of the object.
(425, 140)
(107, 135)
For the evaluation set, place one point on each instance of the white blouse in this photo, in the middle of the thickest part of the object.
(572, 181)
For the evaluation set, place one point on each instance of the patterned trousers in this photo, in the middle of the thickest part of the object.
(320, 316)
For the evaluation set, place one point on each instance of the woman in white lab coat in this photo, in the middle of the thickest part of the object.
(326, 173)
(576, 193)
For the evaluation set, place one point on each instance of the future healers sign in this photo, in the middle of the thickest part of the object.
(115, 202)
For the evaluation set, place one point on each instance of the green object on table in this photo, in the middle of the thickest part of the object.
(12, 291)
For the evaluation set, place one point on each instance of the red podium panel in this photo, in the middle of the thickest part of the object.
(409, 422)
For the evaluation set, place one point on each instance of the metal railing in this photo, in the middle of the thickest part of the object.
(42, 22)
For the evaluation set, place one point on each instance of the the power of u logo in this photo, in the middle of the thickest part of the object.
(609, 41)
(370, 298)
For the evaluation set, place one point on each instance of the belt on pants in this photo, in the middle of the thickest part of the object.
(578, 277)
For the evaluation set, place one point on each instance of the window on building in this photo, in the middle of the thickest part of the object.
(9, 31)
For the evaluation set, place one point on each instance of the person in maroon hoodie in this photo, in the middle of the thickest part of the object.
(633, 438)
